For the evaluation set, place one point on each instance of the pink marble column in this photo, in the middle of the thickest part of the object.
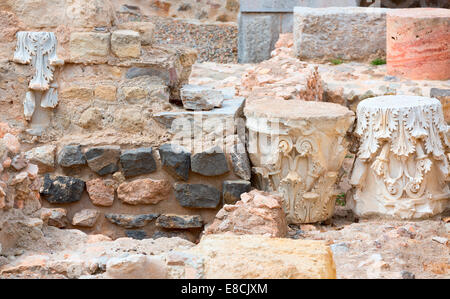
(418, 43)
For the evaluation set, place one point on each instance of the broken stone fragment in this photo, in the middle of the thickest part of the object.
(232, 190)
(101, 192)
(176, 160)
(137, 161)
(144, 191)
(126, 44)
(71, 156)
(11, 143)
(29, 104)
(197, 195)
(19, 162)
(179, 221)
(56, 217)
(195, 97)
(43, 157)
(137, 266)
(62, 189)
(240, 161)
(131, 221)
(103, 159)
(85, 218)
(145, 30)
(211, 162)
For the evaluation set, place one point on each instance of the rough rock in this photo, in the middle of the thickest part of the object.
(71, 156)
(232, 190)
(179, 221)
(101, 192)
(19, 162)
(89, 47)
(77, 92)
(126, 43)
(131, 221)
(240, 161)
(211, 162)
(137, 266)
(145, 29)
(197, 97)
(85, 218)
(176, 160)
(137, 161)
(256, 213)
(136, 234)
(43, 157)
(105, 92)
(56, 217)
(197, 195)
(256, 257)
(11, 143)
(91, 118)
(103, 159)
(144, 191)
(62, 189)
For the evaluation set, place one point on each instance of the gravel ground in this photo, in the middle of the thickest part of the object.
(215, 42)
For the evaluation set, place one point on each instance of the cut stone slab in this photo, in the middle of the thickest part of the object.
(101, 192)
(197, 195)
(126, 44)
(85, 218)
(443, 95)
(43, 157)
(232, 190)
(71, 156)
(176, 160)
(417, 43)
(195, 97)
(144, 191)
(228, 256)
(210, 163)
(288, 5)
(137, 161)
(179, 221)
(103, 159)
(358, 33)
(89, 47)
(62, 189)
(131, 221)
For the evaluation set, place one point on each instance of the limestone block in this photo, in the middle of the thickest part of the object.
(136, 266)
(89, 47)
(417, 43)
(145, 29)
(288, 5)
(297, 149)
(354, 33)
(105, 92)
(77, 92)
(227, 256)
(126, 43)
(401, 167)
(197, 97)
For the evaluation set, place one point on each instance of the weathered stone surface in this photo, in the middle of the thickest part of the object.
(105, 92)
(136, 234)
(417, 43)
(197, 97)
(131, 93)
(257, 213)
(131, 221)
(62, 189)
(89, 47)
(211, 162)
(256, 257)
(11, 143)
(103, 159)
(126, 43)
(179, 221)
(358, 33)
(197, 195)
(71, 156)
(85, 218)
(43, 157)
(411, 131)
(137, 266)
(101, 192)
(145, 29)
(19, 162)
(297, 149)
(91, 118)
(176, 160)
(240, 161)
(288, 5)
(443, 95)
(144, 191)
(137, 161)
(54, 217)
(232, 190)
(77, 92)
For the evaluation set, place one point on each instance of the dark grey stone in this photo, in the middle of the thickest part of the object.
(71, 156)
(170, 234)
(62, 189)
(136, 234)
(130, 221)
(179, 221)
(210, 163)
(439, 93)
(232, 190)
(408, 275)
(240, 162)
(176, 160)
(103, 159)
(138, 161)
(197, 195)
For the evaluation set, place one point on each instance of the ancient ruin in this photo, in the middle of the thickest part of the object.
(208, 139)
